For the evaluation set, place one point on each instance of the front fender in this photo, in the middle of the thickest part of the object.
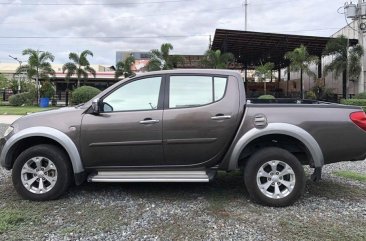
(283, 129)
(48, 132)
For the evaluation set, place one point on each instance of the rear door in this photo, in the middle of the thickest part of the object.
(200, 118)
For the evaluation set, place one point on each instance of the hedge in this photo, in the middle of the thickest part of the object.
(83, 94)
(47, 90)
(266, 97)
(25, 98)
(357, 102)
(360, 96)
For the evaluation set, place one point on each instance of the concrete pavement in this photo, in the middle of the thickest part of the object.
(8, 119)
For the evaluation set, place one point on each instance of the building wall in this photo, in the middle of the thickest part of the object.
(138, 55)
(330, 79)
(104, 76)
(8, 69)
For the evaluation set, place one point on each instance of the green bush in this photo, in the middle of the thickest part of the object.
(310, 95)
(266, 97)
(25, 98)
(47, 90)
(83, 94)
(357, 102)
(4, 82)
(361, 96)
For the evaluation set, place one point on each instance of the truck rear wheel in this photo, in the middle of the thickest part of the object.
(274, 177)
(41, 172)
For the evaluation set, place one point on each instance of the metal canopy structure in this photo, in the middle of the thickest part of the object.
(253, 48)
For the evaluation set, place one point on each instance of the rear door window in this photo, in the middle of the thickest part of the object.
(192, 91)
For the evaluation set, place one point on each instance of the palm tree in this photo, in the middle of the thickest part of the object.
(161, 59)
(123, 68)
(38, 66)
(79, 66)
(214, 59)
(263, 72)
(300, 60)
(347, 60)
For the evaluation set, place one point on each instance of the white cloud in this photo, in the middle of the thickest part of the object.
(198, 18)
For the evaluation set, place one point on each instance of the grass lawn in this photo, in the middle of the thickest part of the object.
(351, 175)
(21, 110)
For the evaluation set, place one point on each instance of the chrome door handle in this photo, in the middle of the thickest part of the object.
(221, 117)
(145, 122)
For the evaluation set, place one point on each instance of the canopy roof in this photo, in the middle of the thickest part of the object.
(253, 48)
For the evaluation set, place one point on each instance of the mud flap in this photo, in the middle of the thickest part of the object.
(317, 175)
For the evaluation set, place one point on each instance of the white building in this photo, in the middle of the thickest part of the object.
(330, 80)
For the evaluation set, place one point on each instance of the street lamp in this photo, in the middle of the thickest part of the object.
(20, 65)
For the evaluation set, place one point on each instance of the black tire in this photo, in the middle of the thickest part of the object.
(262, 158)
(61, 165)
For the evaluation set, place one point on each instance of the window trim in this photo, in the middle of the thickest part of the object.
(160, 97)
(167, 90)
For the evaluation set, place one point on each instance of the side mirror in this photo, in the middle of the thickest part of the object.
(95, 106)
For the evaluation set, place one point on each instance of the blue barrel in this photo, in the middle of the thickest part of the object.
(43, 102)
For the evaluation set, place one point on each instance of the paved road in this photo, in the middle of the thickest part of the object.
(8, 119)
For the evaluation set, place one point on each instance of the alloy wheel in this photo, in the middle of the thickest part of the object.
(39, 175)
(276, 179)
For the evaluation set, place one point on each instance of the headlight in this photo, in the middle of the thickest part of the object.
(7, 132)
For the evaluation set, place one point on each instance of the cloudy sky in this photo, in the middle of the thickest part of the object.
(105, 26)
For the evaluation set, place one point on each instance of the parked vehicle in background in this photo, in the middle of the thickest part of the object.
(181, 126)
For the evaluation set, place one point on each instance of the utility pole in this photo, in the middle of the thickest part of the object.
(246, 14)
(361, 82)
(20, 65)
(358, 13)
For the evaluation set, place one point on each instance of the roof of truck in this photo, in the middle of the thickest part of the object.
(193, 71)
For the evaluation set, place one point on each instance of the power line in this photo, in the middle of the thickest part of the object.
(91, 4)
(127, 17)
(309, 30)
(120, 3)
(270, 3)
(135, 37)
(138, 37)
(101, 37)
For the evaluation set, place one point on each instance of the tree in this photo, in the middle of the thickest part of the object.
(38, 66)
(161, 59)
(214, 59)
(346, 61)
(79, 66)
(123, 68)
(300, 60)
(4, 82)
(264, 71)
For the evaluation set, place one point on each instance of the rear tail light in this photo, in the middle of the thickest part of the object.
(359, 118)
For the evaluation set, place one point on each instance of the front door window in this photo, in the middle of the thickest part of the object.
(141, 94)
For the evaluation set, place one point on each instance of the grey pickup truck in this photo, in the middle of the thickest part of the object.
(181, 126)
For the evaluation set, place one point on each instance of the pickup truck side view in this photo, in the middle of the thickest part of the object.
(181, 126)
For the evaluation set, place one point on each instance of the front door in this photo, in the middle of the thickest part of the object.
(200, 118)
(128, 131)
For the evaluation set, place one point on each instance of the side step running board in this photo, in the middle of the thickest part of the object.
(151, 176)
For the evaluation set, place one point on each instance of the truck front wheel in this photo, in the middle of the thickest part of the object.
(41, 173)
(274, 177)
